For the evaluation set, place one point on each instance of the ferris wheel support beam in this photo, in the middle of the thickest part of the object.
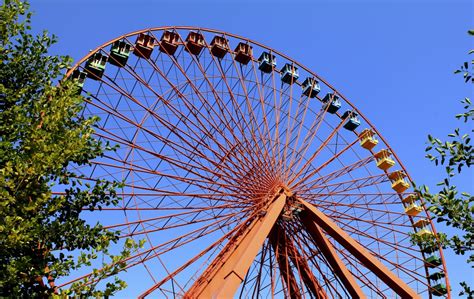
(334, 260)
(223, 277)
(370, 261)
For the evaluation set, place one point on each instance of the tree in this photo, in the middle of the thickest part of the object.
(42, 136)
(449, 205)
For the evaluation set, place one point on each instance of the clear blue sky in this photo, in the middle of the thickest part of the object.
(393, 59)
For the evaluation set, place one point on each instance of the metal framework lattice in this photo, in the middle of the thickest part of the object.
(248, 175)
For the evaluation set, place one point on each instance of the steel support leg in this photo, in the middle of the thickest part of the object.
(226, 273)
(331, 256)
(358, 251)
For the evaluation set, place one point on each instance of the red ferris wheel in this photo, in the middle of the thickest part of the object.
(249, 175)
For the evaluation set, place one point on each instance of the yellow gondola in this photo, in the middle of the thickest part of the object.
(413, 209)
(421, 223)
(398, 181)
(424, 232)
(384, 161)
(367, 139)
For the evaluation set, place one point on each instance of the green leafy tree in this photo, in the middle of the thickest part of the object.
(448, 204)
(42, 134)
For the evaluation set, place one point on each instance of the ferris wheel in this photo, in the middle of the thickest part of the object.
(248, 175)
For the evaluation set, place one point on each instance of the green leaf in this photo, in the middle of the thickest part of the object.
(44, 134)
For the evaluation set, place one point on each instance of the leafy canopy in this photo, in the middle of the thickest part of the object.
(42, 134)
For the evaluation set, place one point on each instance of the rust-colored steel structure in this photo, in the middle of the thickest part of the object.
(248, 175)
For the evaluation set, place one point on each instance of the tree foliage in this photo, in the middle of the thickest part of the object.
(448, 204)
(42, 134)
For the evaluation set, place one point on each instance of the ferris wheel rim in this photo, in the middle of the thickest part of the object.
(162, 28)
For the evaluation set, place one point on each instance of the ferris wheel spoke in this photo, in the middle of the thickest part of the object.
(200, 125)
(365, 207)
(219, 100)
(169, 222)
(280, 107)
(346, 186)
(254, 124)
(162, 192)
(399, 266)
(272, 98)
(367, 279)
(200, 181)
(184, 239)
(300, 150)
(145, 130)
(287, 127)
(172, 128)
(412, 278)
(221, 78)
(366, 211)
(369, 201)
(376, 222)
(359, 200)
(308, 140)
(142, 257)
(311, 172)
(238, 110)
(316, 152)
(337, 173)
(372, 231)
(273, 113)
(217, 193)
(187, 212)
(178, 217)
(185, 265)
(298, 134)
(267, 139)
(177, 163)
